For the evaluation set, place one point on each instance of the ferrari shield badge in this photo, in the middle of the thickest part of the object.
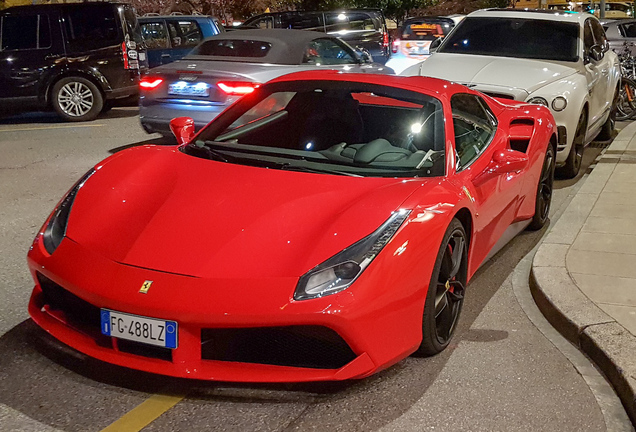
(145, 287)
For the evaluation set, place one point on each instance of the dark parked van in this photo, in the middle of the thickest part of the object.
(360, 28)
(169, 38)
(76, 57)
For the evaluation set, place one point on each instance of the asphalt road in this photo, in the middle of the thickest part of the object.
(500, 374)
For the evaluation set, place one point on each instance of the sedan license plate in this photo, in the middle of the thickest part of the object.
(138, 328)
(183, 88)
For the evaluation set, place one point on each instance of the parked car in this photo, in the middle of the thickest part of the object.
(169, 38)
(322, 228)
(76, 58)
(612, 9)
(227, 66)
(560, 60)
(415, 38)
(363, 28)
(621, 35)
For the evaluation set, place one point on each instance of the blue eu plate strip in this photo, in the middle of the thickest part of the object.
(171, 334)
(105, 322)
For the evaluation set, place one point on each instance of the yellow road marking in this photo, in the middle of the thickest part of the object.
(50, 127)
(143, 414)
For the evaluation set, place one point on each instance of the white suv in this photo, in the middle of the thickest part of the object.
(560, 60)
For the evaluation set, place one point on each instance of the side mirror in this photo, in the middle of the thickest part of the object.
(364, 55)
(435, 44)
(182, 128)
(595, 53)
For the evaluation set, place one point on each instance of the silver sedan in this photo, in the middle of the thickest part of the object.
(227, 66)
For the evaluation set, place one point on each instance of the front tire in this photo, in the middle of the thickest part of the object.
(573, 162)
(544, 191)
(445, 295)
(76, 99)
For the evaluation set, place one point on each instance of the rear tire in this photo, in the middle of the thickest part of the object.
(446, 289)
(76, 99)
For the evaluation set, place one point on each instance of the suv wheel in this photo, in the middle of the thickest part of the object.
(77, 99)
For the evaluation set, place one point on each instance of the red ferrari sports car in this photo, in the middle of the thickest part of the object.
(323, 227)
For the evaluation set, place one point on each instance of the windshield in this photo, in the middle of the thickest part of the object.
(515, 37)
(333, 127)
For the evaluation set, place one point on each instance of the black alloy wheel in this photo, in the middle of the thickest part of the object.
(446, 291)
(544, 191)
(573, 162)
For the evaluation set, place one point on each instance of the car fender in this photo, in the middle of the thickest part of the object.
(574, 90)
(89, 73)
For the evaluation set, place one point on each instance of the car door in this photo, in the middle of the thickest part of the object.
(157, 42)
(185, 34)
(480, 154)
(594, 75)
(606, 87)
(31, 46)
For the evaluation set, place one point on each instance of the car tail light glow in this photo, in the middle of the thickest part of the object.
(396, 46)
(237, 88)
(150, 83)
(385, 39)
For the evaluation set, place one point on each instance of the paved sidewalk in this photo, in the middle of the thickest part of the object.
(584, 272)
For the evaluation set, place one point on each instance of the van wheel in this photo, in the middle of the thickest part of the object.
(77, 99)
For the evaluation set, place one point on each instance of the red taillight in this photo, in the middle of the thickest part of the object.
(396, 46)
(150, 83)
(385, 39)
(237, 88)
(124, 53)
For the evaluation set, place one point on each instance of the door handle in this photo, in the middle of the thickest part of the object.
(165, 55)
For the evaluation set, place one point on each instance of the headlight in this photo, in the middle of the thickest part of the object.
(538, 101)
(559, 103)
(341, 270)
(56, 228)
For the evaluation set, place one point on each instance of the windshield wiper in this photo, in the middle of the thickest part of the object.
(291, 167)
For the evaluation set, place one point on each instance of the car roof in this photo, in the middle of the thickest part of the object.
(287, 45)
(538, 14)
(50, 6)
(174, 17)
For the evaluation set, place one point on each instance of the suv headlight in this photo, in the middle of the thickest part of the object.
(538, 101)
(341, 270)
(56, 228)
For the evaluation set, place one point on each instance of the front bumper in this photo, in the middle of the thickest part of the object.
(374, 338)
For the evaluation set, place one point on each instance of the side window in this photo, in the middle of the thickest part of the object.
(588, 38)
(474, 127)
(89, 29)
(628, 30)
(263, 23)
(190, 33)
(23, 32)
(599, 34)
(303, 21)
(327, 52)
(154, 34)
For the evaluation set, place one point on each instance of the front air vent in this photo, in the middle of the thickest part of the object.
(296, 346)
(521, 130)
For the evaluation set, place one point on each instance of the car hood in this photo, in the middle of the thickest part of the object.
(503, 72)
(160, 209)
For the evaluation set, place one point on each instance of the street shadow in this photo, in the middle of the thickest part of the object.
(20, 116)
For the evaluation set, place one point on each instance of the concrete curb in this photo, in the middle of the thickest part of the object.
(567, 308)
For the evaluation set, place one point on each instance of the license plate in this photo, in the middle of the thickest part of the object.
(188, 89)
(151, 331)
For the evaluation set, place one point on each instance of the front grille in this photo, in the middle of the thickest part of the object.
(78, 313)
(85, 317)
(295, 346)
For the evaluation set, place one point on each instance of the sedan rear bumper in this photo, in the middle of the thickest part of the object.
(155, 116)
